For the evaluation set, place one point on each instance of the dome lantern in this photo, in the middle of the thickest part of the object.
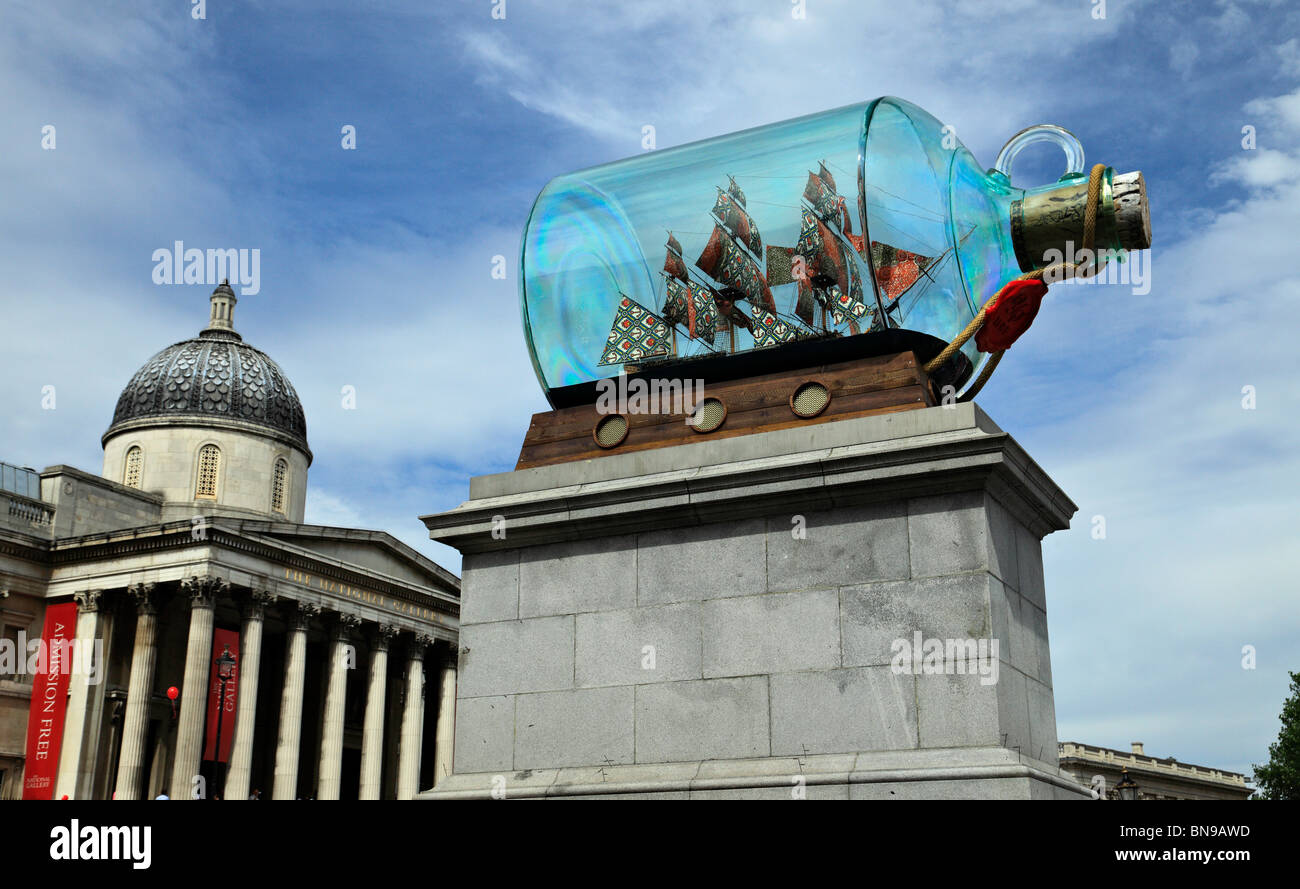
(222, 317)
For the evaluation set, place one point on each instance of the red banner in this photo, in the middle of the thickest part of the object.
(219, 710)
(49, 700)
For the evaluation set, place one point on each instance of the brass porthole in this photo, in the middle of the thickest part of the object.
(708, 415)
(610, 431)
(810, 399)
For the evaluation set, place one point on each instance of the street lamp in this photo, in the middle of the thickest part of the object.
(1126, 788)
(225, 672)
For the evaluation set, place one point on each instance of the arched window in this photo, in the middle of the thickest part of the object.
(279, 485)
(209, 467)
(134, 467)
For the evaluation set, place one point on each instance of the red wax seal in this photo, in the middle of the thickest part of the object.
(1010, 316)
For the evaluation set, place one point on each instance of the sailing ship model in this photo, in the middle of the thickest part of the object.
(704, 302)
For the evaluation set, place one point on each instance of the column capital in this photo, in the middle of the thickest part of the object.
(382, 635)
(344, 626)
(417, 644)
(144, 595)
(301, 614)
(203, 591)
(89, 600)
(253, 605)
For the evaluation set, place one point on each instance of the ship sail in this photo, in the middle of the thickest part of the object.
(674, 265)
(896, 270)
(770, 330)
(731, 214)
(829, 278)
(826, 203)
(693, 307)
(636, 334)
(726, 262)
(780, 270)
(825, 265)
(734, 190)
(848, 306)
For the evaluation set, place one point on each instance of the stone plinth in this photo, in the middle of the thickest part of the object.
(726, 619)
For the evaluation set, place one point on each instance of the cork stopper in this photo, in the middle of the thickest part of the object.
(1048, 222)
(1132, 215)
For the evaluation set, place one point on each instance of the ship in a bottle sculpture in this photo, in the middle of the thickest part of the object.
(865, 231)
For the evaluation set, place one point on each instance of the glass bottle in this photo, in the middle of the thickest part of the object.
(863, 230)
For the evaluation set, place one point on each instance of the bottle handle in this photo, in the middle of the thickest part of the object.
(1043, 132)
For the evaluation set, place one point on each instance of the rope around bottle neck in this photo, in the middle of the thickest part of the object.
(1060, 271)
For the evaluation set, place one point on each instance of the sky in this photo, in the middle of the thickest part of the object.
(1171, 415)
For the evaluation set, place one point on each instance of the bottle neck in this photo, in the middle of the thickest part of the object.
(1047, 222)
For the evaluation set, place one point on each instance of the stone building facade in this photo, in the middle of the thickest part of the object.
(1155, 777)
(194, 534)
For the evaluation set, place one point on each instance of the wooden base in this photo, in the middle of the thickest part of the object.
(857, 388)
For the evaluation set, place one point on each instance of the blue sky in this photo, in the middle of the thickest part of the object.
(376, 262)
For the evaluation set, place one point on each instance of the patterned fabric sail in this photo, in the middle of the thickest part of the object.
(826, 176)
(729, 313)
(769, 330)
(896, 269)
(692, 307)
(724, 262)
(781, 270)
(829, 207)
(735, 192)
(738, 222)
(637, 334)
(827, 266)
(674, 265)
(847, 306)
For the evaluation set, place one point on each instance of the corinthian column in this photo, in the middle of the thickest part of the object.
(81, 721)
(250, 655)
(290, 732)
(331, 747)
(408, 768)
(445, 733)
(194, 689)
(372, 735)
(135, 727)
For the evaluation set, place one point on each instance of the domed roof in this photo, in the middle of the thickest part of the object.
(215, 375)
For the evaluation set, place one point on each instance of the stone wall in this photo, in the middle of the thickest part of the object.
(763, 644)
(694, 611)
(171, 457)
(87, 504)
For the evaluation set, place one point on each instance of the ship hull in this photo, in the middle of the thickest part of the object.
(723, 367)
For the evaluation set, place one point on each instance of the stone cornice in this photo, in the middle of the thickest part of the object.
(25, 546)
(967, 452)
(177, 535)
(81, 475)
(208, 421)
(1071, 752)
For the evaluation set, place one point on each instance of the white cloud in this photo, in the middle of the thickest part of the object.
(1258, 168)
(1288, 55)
(1198, 494)
(695, 70)
(1284, 110)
